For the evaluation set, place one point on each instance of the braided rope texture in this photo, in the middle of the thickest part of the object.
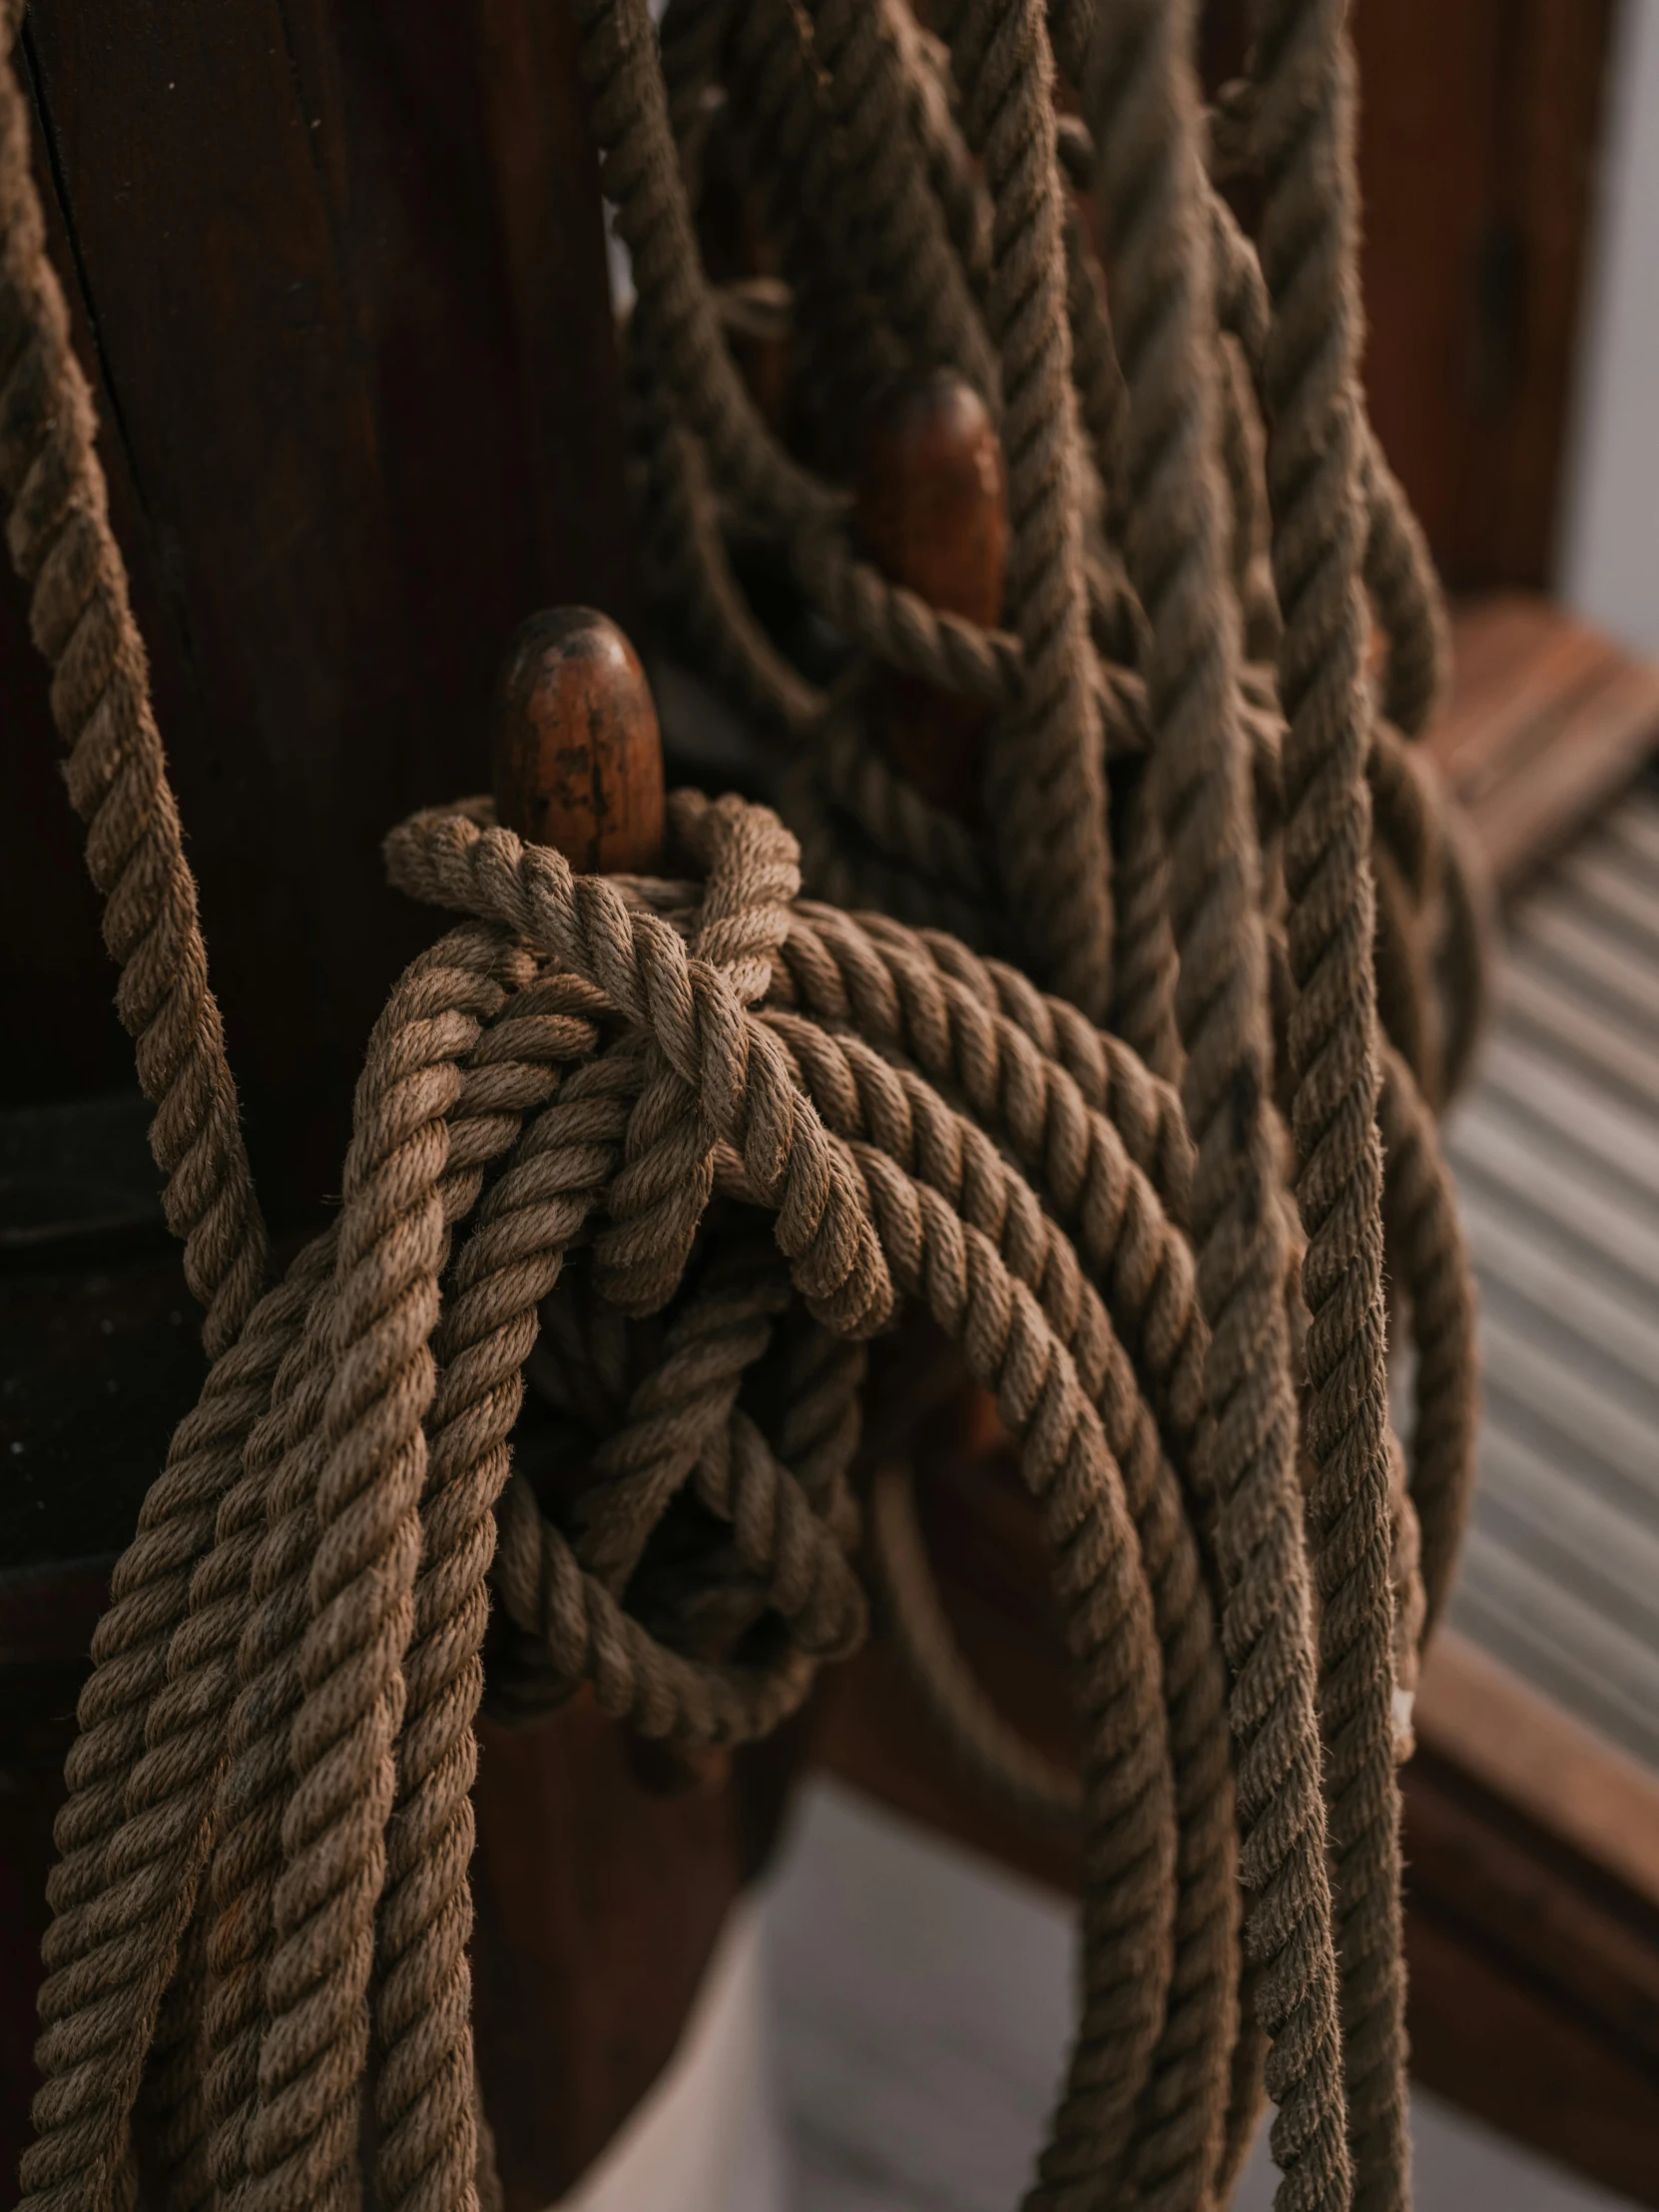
(313, 1735)
(1044, 770)
(1266, 920)
(58, 536)
(1315, 470)
(59, 539)
(676, 1149)
(1143, 113)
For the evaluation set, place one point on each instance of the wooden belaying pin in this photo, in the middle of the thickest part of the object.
(578, 765)
(932, 512)
(575, 748)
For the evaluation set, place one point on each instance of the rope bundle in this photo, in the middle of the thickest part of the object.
(706, 1137)
(543, 1075)
(1203, 819)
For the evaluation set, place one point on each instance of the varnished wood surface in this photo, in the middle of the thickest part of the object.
(1480, 133)
(1514, 2052)
(338, 275)
(1478, 137)
(576, 754)
(932, 513)
(599, 1902)
(1473, 1715)
(1548, 721)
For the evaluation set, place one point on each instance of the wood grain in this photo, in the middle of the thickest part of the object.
(337, 274)
(1548, 720)
(932, 512)
(1475, 1715)
(575, 748)
(1477, 147)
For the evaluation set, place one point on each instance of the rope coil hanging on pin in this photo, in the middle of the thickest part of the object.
(1197, 484)
(485, 1053)
(773, 1122)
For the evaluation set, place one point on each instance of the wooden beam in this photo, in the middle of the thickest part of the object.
(1548, 721)
(1531, 1846)
(1476, 1715)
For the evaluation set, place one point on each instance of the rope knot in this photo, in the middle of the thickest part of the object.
(681, 963)
(702, 1571)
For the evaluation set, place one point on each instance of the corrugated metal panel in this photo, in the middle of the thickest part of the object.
(1556, 1153)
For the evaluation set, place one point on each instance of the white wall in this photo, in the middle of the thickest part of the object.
(1609, 552)
(707, 2137)
(924, 2001)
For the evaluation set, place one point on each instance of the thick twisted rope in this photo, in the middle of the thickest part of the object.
(641, 178)
(1430, 1265)
(909, 262)
(172, 1789)
(60, 543)
(1174, 2153)
(320, 1746)
(1302, 132)
(455, 861)
(59, 538)
(781, 131)
(681, 554)
(1127, 2100)
(1140, 104)
(1220, 831)
(1044, 771)
(58, 535)
(1020, 1774)
(265, 1849)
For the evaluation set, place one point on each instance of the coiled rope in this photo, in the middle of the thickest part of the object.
(1296, 928)
(771, 1123)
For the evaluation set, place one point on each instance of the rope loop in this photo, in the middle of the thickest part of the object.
(677, 1130)
(641, 1169)
(730, 1089)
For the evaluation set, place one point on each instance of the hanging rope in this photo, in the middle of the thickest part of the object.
(1285, 874)
(677, 1148)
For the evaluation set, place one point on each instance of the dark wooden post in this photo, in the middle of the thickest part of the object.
(338, 277)
(337, 274)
